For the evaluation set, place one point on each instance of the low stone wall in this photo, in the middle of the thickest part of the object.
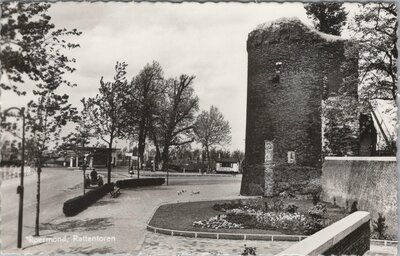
(348, 236)
(369, 181)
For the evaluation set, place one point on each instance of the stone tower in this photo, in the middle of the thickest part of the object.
(293, 70)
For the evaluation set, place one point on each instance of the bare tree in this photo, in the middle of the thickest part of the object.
(211, 130)
(174, 124)
(144, 94)
(375, 28)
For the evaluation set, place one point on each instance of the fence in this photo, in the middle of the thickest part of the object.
(10, 172)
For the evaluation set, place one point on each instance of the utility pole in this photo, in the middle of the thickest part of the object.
(20, 188)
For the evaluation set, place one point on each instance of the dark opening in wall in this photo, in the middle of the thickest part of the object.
(276, 79)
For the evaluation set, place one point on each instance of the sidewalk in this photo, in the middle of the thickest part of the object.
(118, 226)
(122, 219)
(156, 244)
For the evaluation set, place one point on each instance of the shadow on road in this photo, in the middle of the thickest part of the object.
(79, 225)
(88, 250)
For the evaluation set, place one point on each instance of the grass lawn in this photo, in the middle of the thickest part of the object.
(180, 216)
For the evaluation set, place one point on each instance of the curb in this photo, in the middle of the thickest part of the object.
(230, 236)
(384, 242)
(189, 175)
(239, 236)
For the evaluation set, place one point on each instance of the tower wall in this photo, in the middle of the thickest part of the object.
(290, 69)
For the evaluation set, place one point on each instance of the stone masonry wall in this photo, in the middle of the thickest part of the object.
(348, 236)
(372, 183)
(356, 243)
(287, 112)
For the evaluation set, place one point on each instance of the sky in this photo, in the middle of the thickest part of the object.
(206, 40)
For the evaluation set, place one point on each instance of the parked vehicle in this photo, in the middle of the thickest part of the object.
(90, 182)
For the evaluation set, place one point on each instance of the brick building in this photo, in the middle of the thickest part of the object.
(294, 74)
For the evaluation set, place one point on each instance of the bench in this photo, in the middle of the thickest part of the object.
(115, 193)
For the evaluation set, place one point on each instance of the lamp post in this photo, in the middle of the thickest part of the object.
(20, 188)
(84, 167)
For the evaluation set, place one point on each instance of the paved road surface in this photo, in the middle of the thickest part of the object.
(125, 217)
(57, 185)
(122, 219)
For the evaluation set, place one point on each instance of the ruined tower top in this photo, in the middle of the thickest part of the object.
(287, 29)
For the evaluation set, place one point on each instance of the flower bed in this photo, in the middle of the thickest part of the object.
(278, 217)
(203, 216)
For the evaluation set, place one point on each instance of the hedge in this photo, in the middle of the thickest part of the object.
(77, 204)
(10, 163)
(133, 183)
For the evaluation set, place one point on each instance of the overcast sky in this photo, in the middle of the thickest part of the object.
(205, 40)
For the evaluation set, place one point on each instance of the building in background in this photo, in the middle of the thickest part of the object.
(227, 165)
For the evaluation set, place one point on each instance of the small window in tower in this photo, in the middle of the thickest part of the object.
(276, 79)
(278, 66)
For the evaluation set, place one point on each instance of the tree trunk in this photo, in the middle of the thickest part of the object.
(158, 153)
(157, 157)
(208, 159)
(39, 170)
(165, 157)
(142, 140)
(109, 161)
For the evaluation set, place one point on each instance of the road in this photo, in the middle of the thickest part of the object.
(124, 219)
(57, 186)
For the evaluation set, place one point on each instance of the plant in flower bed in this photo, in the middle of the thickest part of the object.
(258, 219)
(227, 206)
(317, 219)
(217, 222)
(291, 208)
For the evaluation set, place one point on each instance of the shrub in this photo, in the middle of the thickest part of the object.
(313, 225)
(10, 163)
(242, 217)
(75, 205)
(380, 227)
(316, 198)
(354, 207)
(256, 204)
(249, 250)
(291, 208)
(277, 204)
(318, 211)
(227, 206)
(266, 207)
(133, 183)
(316, 221)
(287, 194)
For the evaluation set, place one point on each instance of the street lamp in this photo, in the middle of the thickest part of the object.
(20, 188)
(84, 167)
